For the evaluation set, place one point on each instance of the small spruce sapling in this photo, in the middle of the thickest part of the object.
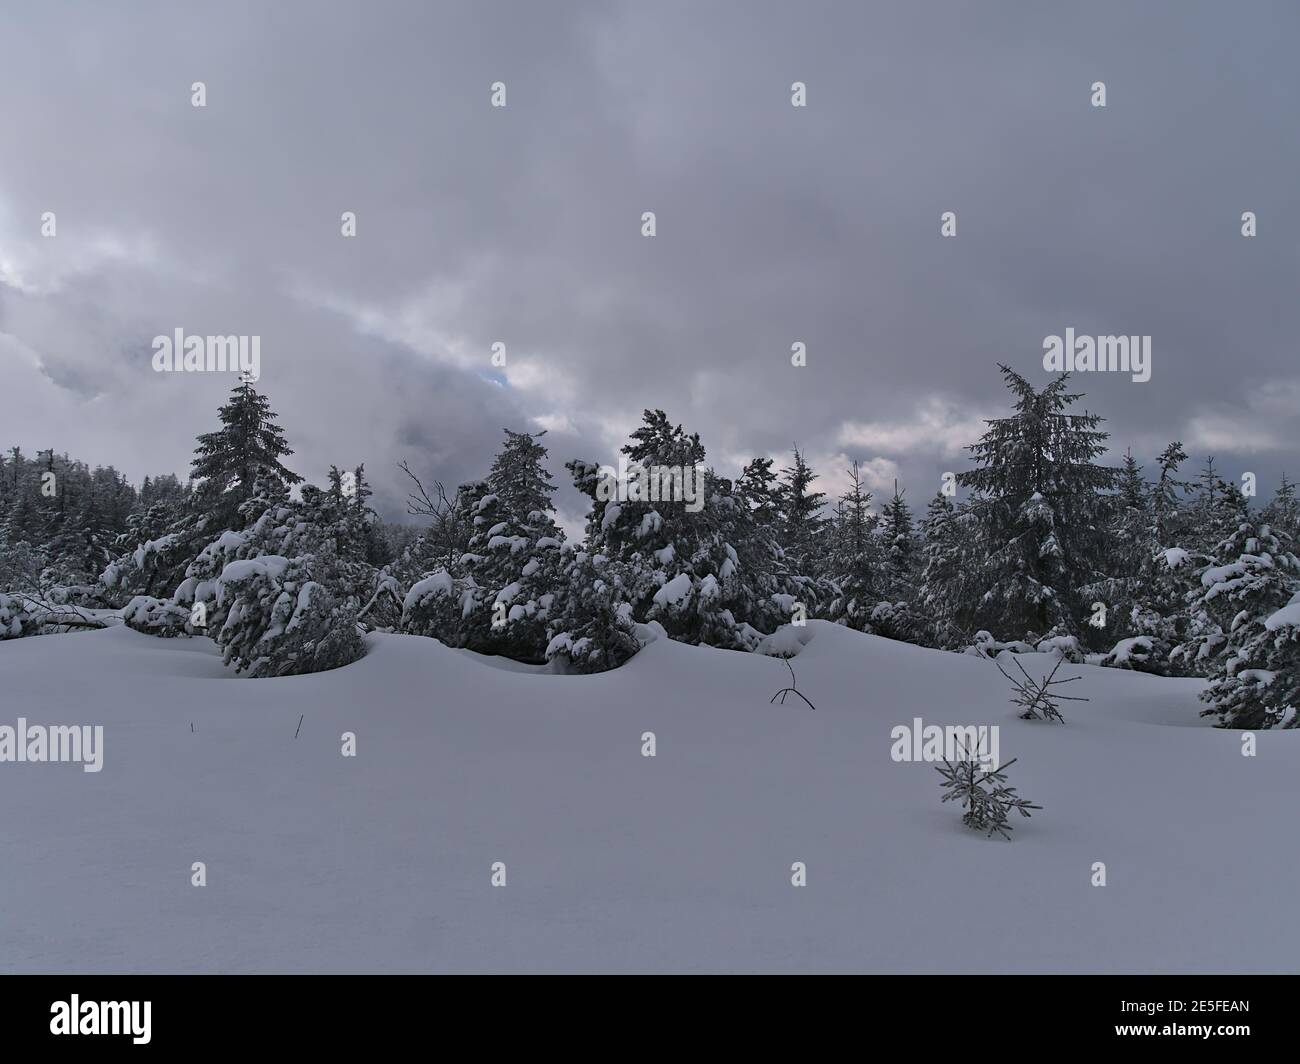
(793, 689)
(983, 794)
(1036, 697)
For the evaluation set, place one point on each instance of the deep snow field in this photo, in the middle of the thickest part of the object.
(615, 861)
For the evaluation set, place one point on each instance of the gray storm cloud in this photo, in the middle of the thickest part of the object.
(522, 224)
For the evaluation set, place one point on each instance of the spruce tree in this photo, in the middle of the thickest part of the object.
(228, 461)
(1120, 588)
(1131, 521)
(802, 522)
(1217, 509)
(759, 486)
(1156, 590)
(280, 596)
(357, 525)
(446, 602)
(899, 541)
(592, 629)
(361, 490)
(519, 479)
(766, 585)
(1251, 594)
(854, 558)
(519, 545)
(942, 588)
(1166, 496)
(1037, 502)
(19, 521)
(1283, 511)
(669, 562)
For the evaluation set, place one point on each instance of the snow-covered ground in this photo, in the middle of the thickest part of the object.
(615, 861)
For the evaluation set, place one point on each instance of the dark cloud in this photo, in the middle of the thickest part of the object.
(521, 225)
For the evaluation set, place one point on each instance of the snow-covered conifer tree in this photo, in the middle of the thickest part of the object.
(764, 583)
(518, 552)
(1036, 505)
(803, 524)
(21, 565)
(445, 602)
(1217, 509)
(898, 543)
(227, 462)
(591, 624)
(1116, 597)
(1154, 576)
(277, 621)
(948, 589)
(1251, 594)
(280, 595)
(854, 555)
(1283, 511)
(234, 463)
(1166, 496)
(676, 561)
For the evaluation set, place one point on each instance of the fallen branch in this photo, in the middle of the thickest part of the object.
(41, 613)
(69, 621)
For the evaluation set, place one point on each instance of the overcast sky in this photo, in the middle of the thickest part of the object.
(522, 224)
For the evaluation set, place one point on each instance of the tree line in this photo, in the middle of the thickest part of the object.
(1047, 549)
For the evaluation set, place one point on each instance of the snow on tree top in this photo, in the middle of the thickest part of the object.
(785, 642)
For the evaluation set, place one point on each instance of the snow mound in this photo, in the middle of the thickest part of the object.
(786, 641)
